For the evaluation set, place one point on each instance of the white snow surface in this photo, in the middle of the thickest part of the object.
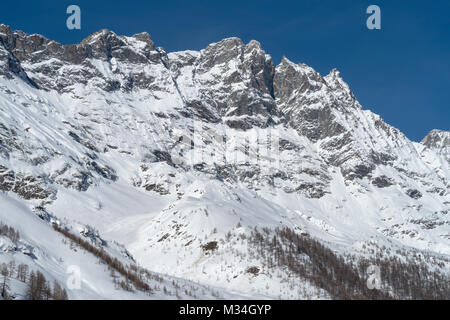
(162, 214)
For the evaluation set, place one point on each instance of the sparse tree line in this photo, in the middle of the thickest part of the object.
(38, 288)
(9, 232)
(132, 275)
(410, 279)
(344, 277)
(127, 277)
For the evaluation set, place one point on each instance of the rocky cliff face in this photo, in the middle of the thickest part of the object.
(112, 111)
(437, 139)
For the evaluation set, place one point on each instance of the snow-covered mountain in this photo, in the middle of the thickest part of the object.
(176, 162)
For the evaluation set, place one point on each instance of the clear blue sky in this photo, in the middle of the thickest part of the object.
(401, 72)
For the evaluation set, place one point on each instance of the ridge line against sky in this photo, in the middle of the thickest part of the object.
(401, 72)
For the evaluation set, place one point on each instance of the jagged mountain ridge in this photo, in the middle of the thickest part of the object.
(110, 111)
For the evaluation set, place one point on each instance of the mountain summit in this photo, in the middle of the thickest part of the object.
(184, 158)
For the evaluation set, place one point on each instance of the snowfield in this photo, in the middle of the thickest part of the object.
(162, 161)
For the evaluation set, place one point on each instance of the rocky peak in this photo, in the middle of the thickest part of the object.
(103, 35)
(304, 97)
(335, 81)
(325, 111)
(145, 37)
(254, 45)
(235, 81)
(221, 52)
(119, 107)
(4, 30)
(21, 44)
(340, 88)
(293, 78)
(53, 66)
(10, 66)
(104, 44)
(437, 139)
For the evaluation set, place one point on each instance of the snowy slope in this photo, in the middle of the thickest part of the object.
(164, 153)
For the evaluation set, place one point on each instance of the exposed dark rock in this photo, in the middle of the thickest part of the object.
(29, 187)
(210, 246)
(415, 194)
(310, 190)
(382, 182)
(437, 139)
(156, 188)
(163, 156)
(253, 270)
(7, 178)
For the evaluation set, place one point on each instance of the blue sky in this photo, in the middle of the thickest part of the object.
(401, 72)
